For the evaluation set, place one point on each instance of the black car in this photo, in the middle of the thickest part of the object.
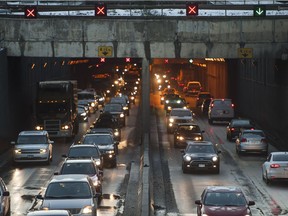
(86, 151)
(187, 132)
(201, 97)
(116, 110)
(205, 105)
(106, 144)
(174, 102)
(200, 156)
(235, 126)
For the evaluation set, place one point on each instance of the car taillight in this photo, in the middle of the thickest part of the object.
(197, 99)
(243, 140)
(232, 129)
(232, 105)
(275, 165)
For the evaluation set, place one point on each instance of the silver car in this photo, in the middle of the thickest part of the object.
(33, 146)
(72, 192)
(4, 199)
(275, 167)
(253, 141)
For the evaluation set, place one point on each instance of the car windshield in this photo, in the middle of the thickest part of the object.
(31, 139)
(200, 149)
(78, 168)
(68, 190)
(84, 152)
(180, 113)
(224, 199)
(187, 129)
(280, 157)
(112, 108)
(118, 100)
(98, 139)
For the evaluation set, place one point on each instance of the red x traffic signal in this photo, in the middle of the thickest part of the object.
(101, 10)
(31, 12)
(191, 9)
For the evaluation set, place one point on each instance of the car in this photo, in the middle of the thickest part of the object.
(32, 146)
(235, 126)
(175, 103)
(192, 88)
(115, 133)
(200, 156)
(275, 168)
(220, 110)
(88, 96)
(252, 141)
(100, 97)
(83, 166)
(106, 145)
(5, 200)
(205, 105)
(176, 116)
(201, 97)
(86, 151)
(49, 213)
(73, 192)
(82, 114)
(223, 201)
(165, 92)
(117, 112)
(185, 132)
(123, 101)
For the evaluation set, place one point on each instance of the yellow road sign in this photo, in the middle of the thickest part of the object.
(245, 52)
(105, 51)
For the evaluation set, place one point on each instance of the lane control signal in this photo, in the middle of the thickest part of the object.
(101, 10)
(191, 9)
(31, 12)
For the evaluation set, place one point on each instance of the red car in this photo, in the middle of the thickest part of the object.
(223, 201)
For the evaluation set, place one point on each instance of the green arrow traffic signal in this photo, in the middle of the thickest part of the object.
(259, 11)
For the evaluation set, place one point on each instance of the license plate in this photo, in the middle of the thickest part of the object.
(201, 165)
(30, 156)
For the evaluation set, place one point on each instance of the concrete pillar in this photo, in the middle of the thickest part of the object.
(145, 96)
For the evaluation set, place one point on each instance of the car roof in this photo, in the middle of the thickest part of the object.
(70, 178)
(181, 109)
(33, 132)
(223, 189)
(83, 145)
(49, 213)
(279, 152)
(77, 160)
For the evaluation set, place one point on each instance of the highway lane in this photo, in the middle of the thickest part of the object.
(182, 190)
(25, 181)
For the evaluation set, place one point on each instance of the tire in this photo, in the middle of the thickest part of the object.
(184, 170)
(266, 180)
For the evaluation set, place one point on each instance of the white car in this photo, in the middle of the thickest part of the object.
(5, 201)
(33, 146)
(275, 167)
(220, 110)
(176, 116)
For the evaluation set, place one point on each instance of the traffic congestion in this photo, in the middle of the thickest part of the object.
(204, 158)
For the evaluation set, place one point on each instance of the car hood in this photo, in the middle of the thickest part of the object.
(66, 203)
(202, 155)
(225, 210)
(31, 146)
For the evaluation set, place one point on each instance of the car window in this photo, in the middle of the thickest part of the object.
(190, 129)
(280, 157)
(200, 149)
(71, 190)
(31, 139)
(248, 134)
(112, 108)
(224, 199)
(78, 168)
(222, 102)
(84, 152)
(181, 113)
(98, 139)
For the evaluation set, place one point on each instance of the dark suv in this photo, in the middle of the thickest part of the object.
(86, 151)
(200, 155)
(235, 126)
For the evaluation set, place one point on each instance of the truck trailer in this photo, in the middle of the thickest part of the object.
(56, 108)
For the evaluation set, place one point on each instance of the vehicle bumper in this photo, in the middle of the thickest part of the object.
(31, 158)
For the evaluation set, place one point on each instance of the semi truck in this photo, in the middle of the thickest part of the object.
(57, 107)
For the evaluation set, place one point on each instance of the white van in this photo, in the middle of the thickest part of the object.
(220, 110)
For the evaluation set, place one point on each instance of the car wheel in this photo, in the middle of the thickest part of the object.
(267, 181)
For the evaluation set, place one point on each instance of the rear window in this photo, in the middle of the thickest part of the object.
(253, 134)
(282, 157)
(222, 103)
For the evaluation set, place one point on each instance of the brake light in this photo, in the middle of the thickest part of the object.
(232, 105)
(243, 140)
(232, 129)
(197, 98)
(275, 165)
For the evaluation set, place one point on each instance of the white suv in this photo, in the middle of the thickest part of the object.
(177, 116)
(32, 146)
(220, 110)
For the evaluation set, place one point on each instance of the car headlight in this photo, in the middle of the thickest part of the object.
(93, 104)
(83, 114)
(17, 151)
(116, 133)
(170, 124)
(180, 137)
(214, 158)
(169, 108)
(184, 107)
(87, 210)
(110, 151)
(187, 158)
(167, 101)
(38, 127)
(197, 138)
(65, 127)
(122, 115)
(98, 162)
(43, 151)
(171, 120)
(125, 108)
(162, 98)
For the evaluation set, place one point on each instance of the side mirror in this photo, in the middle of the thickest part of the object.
(56, 173)
(6, 193)
(64, 156)
(251, 203)
(198, 202)
(39, 196)
(116, 143)
(182, 151)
